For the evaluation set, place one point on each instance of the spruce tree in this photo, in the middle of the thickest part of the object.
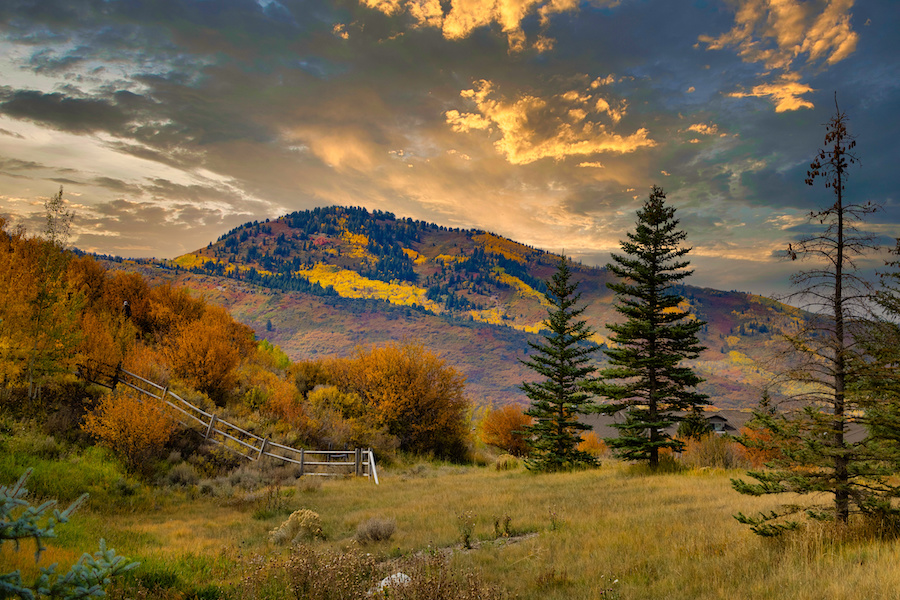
(563, 359)
(645, 377)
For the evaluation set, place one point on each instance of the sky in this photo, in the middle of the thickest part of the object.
(170, 122)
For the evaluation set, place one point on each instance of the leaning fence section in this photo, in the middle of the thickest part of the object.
(358, 462)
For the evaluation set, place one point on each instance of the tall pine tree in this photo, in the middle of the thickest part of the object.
(645, 377)
(563, 359)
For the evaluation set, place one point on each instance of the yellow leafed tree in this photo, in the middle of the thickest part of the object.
(135, 427)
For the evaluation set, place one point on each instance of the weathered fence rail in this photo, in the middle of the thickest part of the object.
(359, 462)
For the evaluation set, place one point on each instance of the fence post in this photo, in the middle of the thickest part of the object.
(209, 430)
(115, 379)
(165, 391)
(262, 450)
(358, 460)
(302, 460)
(372, 469)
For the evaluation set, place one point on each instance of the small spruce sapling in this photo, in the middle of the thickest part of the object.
(20, 520)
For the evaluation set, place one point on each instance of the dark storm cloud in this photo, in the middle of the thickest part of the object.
(63, 112)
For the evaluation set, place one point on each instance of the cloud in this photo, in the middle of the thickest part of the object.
(704, 129)
(529, 128)
(70, 114)
(457, 19)
(787, 93)
(788, 36)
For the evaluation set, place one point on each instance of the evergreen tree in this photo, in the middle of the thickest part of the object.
(563, 359)
(645, 377)
(836, 366)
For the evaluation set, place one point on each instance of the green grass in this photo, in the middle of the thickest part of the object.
(616, 532)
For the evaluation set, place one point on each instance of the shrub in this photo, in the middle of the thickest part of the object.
(413, 394)
(504, 427)
(507, 462)
(302, 525)
(712, 450)
(757, 447)
(375, 530)
(592, 444)
(182, 475)
(137, 428)
(206, 352)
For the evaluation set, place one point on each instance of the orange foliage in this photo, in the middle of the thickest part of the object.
(504, 428)
(206, 352)
(135, 427)
(105, 340)
(592, 444)
(87, 277)
(146, 362)
(171, 307)
(412, 393)
(38, 310)
(130, 287)
(273, 395)
(760, 448)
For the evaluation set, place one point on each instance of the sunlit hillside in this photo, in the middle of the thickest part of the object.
(335, 277)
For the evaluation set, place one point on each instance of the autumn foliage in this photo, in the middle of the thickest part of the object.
(412, 393)
(206, 352)
(60, 312)
(136, 427)
(504, 428)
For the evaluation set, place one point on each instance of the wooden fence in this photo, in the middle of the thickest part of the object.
(359, 462)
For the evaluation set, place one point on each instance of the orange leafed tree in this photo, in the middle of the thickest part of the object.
(171, 307)
(411, 392)
(207, 352)
(758, 446)
(131, 288)
(105, 340)
(137, 428)
(505, 428)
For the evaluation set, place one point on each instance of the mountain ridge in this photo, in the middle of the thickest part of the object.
(323, 281)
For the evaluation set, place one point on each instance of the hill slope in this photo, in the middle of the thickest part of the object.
(321, 282)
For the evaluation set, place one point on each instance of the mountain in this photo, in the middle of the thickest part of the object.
(323, 281)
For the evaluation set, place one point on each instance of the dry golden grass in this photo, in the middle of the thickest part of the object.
(615, 532)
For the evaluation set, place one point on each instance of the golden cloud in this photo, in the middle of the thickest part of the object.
(464, 16)
(530, 128)
(704, 129)
(785, 35)
(786, 93)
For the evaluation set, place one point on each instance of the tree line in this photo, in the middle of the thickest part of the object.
(845, 360)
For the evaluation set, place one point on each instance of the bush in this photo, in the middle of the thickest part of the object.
(412, 393)
(375, 530)
(182, 475)
(302, 525)
(712, 450)
(504, 428)
(592, 444)
(507, 462)
(133, 426)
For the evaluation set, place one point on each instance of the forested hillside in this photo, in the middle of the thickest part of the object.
(331, 278)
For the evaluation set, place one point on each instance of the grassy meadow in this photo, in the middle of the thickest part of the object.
(614, 532)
